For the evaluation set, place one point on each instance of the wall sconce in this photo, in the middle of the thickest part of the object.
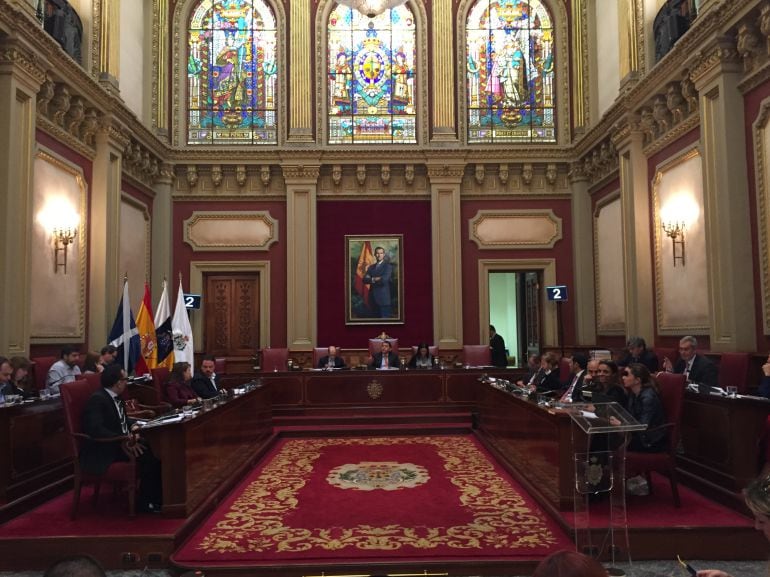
(63, 236)
(62, 222)
(675, 231)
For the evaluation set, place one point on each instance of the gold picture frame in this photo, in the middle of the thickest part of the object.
(374, 279)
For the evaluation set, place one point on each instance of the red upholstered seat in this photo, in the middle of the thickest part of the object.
(220, 365)
(672, 387)
(160, 377)
(565, 370)
(40, 367)
(734, 371)
(477, 355)
(432, 350)
(74, 396)
(670, 354)
(375, 345)
(274, 359)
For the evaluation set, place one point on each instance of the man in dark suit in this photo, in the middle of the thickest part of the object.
(331, 360)
(385, 359)
(378, 278)
(205, 382)
(639, 353)
(696, 368)
(497, 348)
(574, 390)
(104, 417)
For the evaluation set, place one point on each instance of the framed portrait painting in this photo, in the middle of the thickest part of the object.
(374, 280)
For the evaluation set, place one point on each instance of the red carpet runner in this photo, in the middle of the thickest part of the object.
(374, 499)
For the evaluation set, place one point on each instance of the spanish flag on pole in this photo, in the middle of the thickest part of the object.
(148, 358)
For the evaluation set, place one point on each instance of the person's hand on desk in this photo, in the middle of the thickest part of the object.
(614, 421)
(667, 366)
(193, 401)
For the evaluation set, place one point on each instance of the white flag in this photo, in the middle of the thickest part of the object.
(163, 330)
(183, 337)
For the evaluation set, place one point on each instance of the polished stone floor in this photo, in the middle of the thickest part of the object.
(667, 568)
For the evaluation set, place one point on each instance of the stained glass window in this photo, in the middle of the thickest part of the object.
(231, 73)
(509, 65)
(371, 71)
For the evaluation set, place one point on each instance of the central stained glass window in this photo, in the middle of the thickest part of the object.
(371, 77)
(232, 73)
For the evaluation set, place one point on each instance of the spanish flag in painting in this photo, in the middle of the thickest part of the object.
(148, 358)
(365, 259)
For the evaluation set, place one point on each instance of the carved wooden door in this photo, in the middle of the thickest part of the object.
(231, 305)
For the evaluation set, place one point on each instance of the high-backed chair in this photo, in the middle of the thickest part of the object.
(274, 359)
(74, 397)
(565, 370)
(666, 353)
(40, 368)
(672, 387)
(375, 346)
(160, 377)
(432, 350)
(220, 365)
(319, 353)
(477, 355)
(734, 371)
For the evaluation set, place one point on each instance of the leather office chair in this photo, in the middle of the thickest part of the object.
(734, 371)
(274, 359)
(477, 355)
(375, 346)
(220, 365)
(160, 377)
(432, 350)
(40, 368)
(672, 387)
(74, 396)
(666, 353)
(565, 370)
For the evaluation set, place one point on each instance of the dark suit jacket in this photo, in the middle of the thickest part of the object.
(101, 421)
(703, 371)
(648, 409)
(380, 288)
(179, 393)
(339, 363)
(392, 361)
(577, 391)
(202, 386)
(648, 358)
(499, 358)
(549, 382)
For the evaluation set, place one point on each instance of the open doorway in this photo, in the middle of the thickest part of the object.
(514, 310)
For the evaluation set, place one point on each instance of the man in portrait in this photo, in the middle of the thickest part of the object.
(378, 277)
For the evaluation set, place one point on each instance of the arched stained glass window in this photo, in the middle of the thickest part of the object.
(509, 65)
(231, 73)
(371, 67)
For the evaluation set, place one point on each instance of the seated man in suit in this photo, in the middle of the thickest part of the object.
(205, 382)
(639, 353)
(574, 391)
(331, 360)
(385, 359)
(104, 417)
(696, 368)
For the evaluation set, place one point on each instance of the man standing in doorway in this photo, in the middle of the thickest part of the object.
(497, 347)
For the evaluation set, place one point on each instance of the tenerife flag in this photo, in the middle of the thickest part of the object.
(148, 359)
(163, 333)
(124, 335)
(182, 331)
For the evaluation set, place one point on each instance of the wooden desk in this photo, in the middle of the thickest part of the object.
(34, 450)
(203, 456)
(535, 444)
(720, 438)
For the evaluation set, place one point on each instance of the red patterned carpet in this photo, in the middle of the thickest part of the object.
(374, 499)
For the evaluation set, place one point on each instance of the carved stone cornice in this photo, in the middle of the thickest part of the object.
(445, 172)
(301, 172)
(166, 174)
(721, 55)
(577, 173)
(67, 138)
(672, 135)
(15, 56)
(115, 132)
(623, 130)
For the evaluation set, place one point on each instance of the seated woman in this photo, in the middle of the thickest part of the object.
(178, 390)
(605, 387)
(18, 384)
(91, 364)
(422, 359)
(645, 406)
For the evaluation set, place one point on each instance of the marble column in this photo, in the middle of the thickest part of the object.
(162, 229)
(726, 198)
(584, 290)
(20, 78)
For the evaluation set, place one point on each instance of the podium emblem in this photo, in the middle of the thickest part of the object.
(374, 388)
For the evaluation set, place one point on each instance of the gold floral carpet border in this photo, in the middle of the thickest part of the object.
(502, 521)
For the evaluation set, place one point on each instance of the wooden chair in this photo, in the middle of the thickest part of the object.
(220, 365)
(40, 368)
(160, 377)
(734, 371)
(672, 387)
(74, 397)
(274, 359)
(477, 355)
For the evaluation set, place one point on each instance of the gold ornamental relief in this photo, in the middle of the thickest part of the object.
(505, 229)
(374, 389)
(217, 231)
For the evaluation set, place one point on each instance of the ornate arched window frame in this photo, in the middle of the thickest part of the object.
(322, 93)
(179, 100)
(560, 21)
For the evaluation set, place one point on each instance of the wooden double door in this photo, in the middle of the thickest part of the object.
(232, 314)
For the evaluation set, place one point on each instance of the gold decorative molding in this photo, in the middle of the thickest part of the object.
(664, 325)
(15, 56)
(230, 231)
(580, 57)
(515, 229)
(761, 136)
(300, 109)
(160, 58)
(443, 73)
(722, 52)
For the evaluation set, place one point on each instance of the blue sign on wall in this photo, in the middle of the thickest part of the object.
(557, 293)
